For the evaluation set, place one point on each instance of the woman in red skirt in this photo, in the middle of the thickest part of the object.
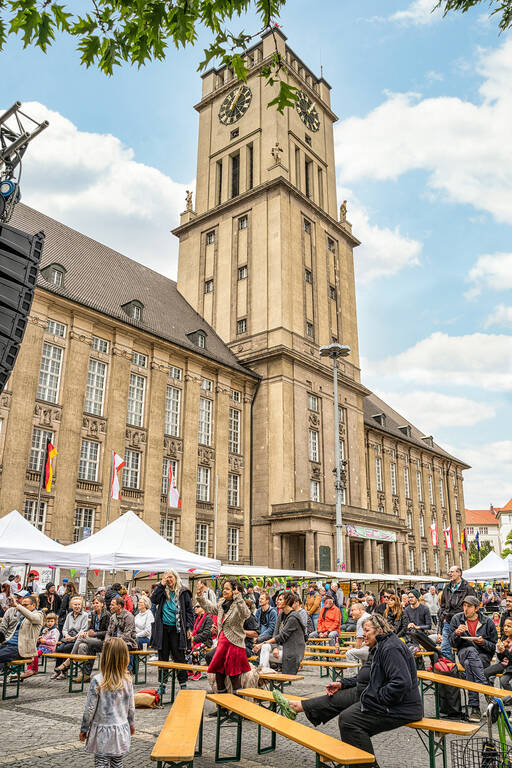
(230, 659)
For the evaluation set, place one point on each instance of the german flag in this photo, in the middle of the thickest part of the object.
(47, 473)
(463, 546)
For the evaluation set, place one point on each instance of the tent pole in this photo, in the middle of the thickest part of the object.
(215, 517)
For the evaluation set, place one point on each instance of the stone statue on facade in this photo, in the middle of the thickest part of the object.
(188, 197)
(343, 211)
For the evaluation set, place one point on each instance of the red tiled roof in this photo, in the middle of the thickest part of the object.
(506, 508)
(481, 517)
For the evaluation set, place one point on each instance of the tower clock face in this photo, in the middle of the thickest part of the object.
(307, 111)
(235, 105)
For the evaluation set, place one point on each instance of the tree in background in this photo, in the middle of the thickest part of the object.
(110, 32)
(508, 546)
(475, 556)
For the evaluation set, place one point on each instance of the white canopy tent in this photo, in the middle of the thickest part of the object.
(21, 544)
(491, 568)
(128, 543)
(257, 571)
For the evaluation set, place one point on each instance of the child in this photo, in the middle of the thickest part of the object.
(109, 715)
(46, 643)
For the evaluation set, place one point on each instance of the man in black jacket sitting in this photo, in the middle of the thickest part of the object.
(389, 699)
(451, 601)
(475, 636)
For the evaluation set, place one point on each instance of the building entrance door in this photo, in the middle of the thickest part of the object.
(297, 552)
(356, 556)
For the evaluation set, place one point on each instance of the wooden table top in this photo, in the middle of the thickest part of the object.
(457, 682)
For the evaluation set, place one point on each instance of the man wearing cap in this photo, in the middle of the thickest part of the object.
(474, 635)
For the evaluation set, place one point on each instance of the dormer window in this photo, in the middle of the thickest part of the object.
(406, 430)
(380, 418)
(198, 338)
(134, 310)
(55, 274)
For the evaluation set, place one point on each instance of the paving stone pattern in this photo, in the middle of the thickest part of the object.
(41, 729)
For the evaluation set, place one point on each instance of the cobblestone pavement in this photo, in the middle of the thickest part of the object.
(41, 728)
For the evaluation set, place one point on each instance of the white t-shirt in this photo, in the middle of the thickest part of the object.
(359, 625)
(143, 622)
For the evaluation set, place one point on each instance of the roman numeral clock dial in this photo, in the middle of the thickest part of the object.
(235, 105)
(307, 111)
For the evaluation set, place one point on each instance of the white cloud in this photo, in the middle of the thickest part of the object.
(502, 316)
(430, 411)
(475, 360)
(419, 13)
(464, 147)
(492, 271)
(489, 479)
(92, 182)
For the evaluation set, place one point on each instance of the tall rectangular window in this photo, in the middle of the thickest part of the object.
(166, 465)
(233, 490)
(411, 560)
(441, 488)
(314, 490)
(320, 188)
(235, 175)
(393, 478)
(419, 486)
(131, 474)
(233, 538)
(422, 525)
(136, 394)
(49, 374)
(241, 326)
(447, 561)
(234, 430)
(378, 472)
(456, 503)
(35, 515)
(423, 561)
(84, 518)
(95, 389)
(205, 421)
(250, 166)
(430, 490)
(242, 272)
(218, 195)
(436, 561)
(407, 485)
(313, 445)
(202, 539)
(175, 373)
(308, 177)
(312, 402)
(297, 167)
(203, 484)
(56, 328)
(172, 411)
(40, 439)
(89, 459)
(167, 528)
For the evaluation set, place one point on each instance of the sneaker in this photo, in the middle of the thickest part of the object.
(196, 676)
(474, 715)
(283, 705)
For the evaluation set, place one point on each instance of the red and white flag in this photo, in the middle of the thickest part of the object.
(173, 496)
(448, 537)
(433, 533)
(117, 464)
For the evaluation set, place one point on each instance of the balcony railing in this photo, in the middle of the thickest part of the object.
(136, 494)
(89, 485)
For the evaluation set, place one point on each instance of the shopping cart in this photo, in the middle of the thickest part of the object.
(479, 752)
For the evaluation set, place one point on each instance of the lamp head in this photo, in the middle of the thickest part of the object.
(334, 350)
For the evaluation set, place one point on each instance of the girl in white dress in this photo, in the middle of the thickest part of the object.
(109, 716)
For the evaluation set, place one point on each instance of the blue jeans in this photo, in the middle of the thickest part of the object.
(446, 648)
(8, 653)
(314, 619)
(141, 641)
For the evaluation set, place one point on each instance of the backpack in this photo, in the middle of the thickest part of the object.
(449, 697)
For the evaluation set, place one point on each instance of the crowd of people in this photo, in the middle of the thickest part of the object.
(266, 627)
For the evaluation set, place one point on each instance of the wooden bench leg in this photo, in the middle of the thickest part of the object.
(8, 671)
(224, 718)
(42, 665)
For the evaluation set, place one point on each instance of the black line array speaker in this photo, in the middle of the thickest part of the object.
(20, 255)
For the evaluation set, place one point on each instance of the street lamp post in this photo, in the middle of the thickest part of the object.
(334, 351)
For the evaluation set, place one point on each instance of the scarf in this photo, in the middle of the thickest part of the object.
(226, 605)
(198, 623)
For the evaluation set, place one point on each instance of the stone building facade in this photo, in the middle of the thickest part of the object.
(265, 277)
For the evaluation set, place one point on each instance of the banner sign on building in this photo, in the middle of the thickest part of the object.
(370, 533)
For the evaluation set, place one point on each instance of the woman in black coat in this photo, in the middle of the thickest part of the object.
(290, 636)
(174, 621)
(49, 600)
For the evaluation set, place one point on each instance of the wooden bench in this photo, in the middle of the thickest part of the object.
(182, 730)
(76, 664)
(275, 679)
(430, 681)
(13, 667)
(334, 668)
(138, 658)
(431, 732)
(232, 708)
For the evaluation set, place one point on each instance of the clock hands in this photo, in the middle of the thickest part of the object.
(235, 98)
(311, 108)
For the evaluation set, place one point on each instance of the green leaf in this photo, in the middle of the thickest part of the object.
(3, 34)
(238, 66)
(61, 17)
(89, 47)
(285, 98)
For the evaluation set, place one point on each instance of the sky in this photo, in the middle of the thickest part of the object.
(423, 156)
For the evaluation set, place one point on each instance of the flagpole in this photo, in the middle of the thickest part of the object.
(107, 519)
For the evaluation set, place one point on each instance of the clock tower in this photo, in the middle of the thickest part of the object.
(266, 257)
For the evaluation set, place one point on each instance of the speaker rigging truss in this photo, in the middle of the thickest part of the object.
(17, 130)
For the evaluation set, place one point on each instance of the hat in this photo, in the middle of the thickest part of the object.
(65, 581)
(472, 600)
(415, 593)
